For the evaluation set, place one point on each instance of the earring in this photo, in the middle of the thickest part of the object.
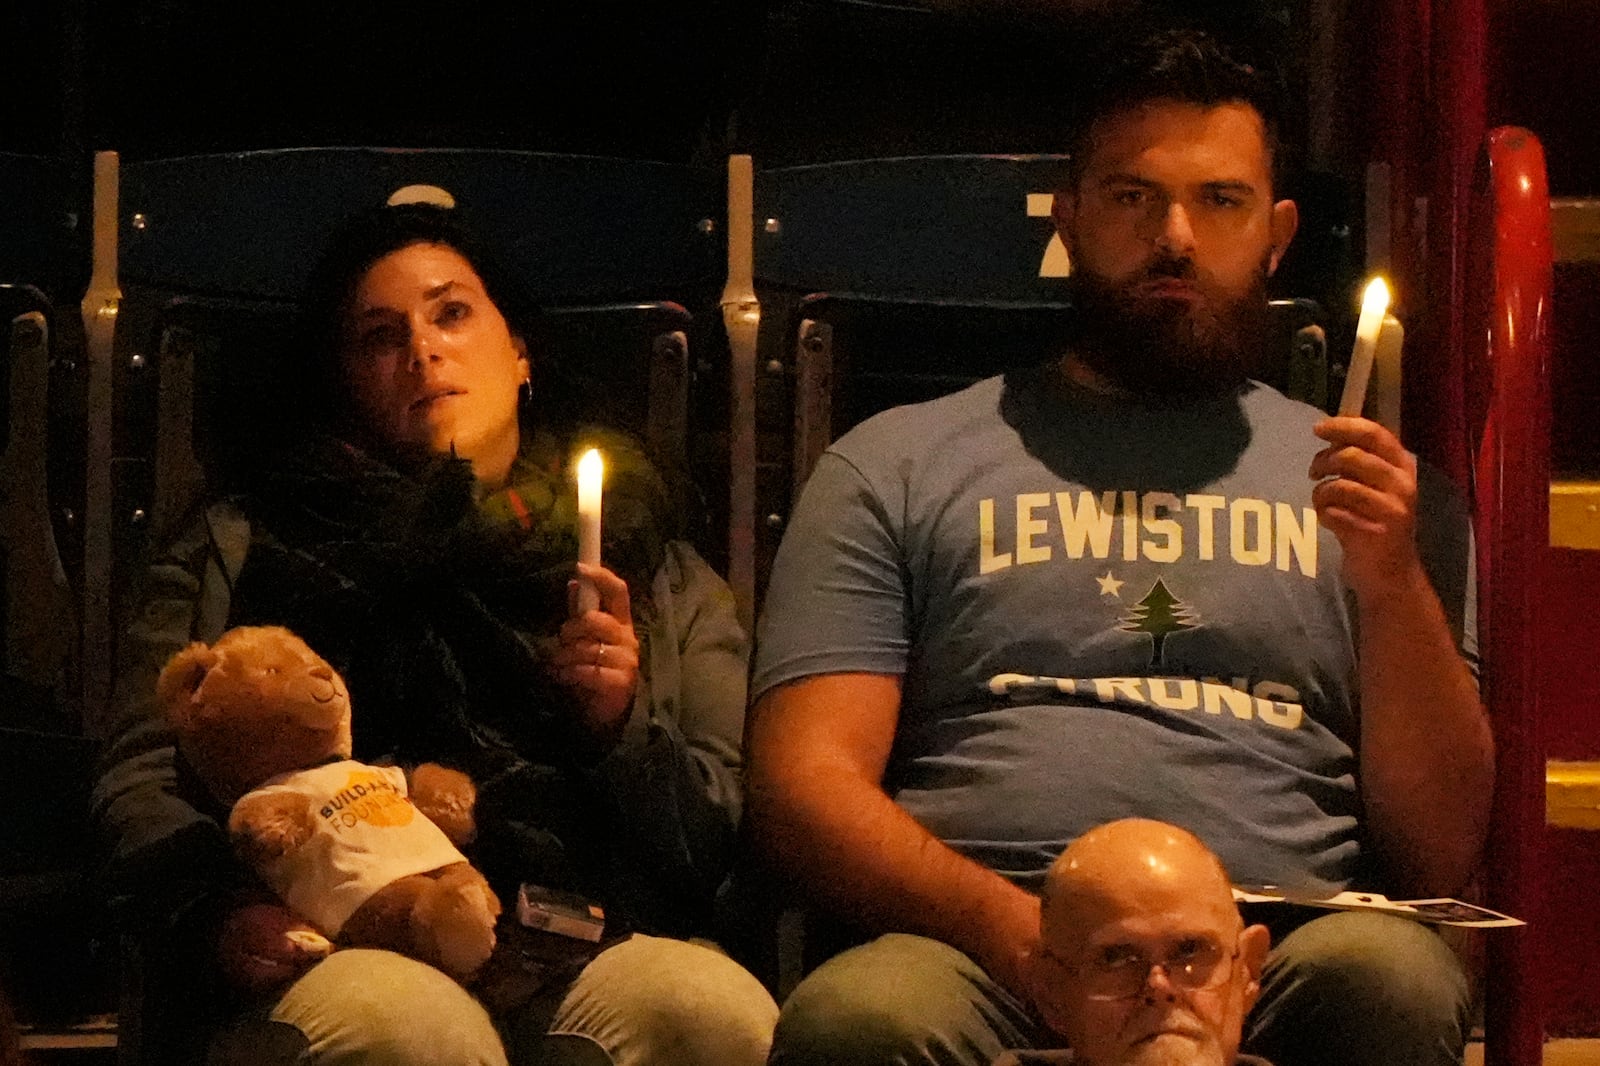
(525, 392)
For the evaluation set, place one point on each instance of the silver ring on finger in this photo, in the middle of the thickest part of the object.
(599, 651)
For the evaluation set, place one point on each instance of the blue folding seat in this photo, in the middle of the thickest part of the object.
(213, 252)
(47, 960)
(879, 282)
(849, 79)
(891, 280)
(184, 77)
(38, 516)
(887, 281)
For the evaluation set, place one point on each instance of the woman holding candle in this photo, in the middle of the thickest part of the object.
(420, 531)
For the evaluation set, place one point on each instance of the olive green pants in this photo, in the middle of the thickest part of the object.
(1348, 989)
(647, 1000)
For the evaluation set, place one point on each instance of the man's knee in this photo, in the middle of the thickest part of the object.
(363, 1006)
(1391, 986)
(898, 998)
(658, 1000)
(1360, 957)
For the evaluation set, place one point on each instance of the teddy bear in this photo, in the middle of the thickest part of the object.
(361, 853)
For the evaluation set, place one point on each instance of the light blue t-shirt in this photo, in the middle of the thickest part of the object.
(1100, 608)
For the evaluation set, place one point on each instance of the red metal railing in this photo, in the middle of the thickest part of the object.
(1477, 403)
(1505, 318)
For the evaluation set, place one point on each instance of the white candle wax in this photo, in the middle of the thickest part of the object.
(1374, 305)
(590, 470)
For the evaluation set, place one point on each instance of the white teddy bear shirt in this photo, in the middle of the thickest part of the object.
(368, 833)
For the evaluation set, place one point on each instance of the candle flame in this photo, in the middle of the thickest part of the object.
(591, 467)
(1375, 300)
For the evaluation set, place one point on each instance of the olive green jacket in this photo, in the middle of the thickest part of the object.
(674, 776)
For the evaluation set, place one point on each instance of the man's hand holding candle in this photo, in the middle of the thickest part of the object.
(1367, 496)
(1367, 491)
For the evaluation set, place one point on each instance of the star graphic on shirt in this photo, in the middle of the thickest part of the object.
(1110, 586)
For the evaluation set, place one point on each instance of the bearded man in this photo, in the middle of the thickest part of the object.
(1131, 582)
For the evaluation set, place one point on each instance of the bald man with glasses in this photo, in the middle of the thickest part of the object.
(1143, 960)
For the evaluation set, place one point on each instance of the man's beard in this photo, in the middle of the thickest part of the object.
(1183, 1040)
(1151, 345)
(1174, 1051)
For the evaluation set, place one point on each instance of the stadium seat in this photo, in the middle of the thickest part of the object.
(48, 947)
(40, 490)
(610, 78)
(213, 251)
(36, 612)
(887, 281)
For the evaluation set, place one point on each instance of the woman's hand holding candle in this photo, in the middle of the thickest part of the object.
(598, 653)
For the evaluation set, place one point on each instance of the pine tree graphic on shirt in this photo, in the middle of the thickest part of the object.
(1159, 614)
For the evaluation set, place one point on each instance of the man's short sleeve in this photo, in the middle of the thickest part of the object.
(837, 601)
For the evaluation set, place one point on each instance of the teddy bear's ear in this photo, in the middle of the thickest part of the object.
(181, 677)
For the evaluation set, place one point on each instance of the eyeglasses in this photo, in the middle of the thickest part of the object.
(1121, 972)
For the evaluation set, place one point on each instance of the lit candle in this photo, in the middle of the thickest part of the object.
(590, 470)
(1374, 305)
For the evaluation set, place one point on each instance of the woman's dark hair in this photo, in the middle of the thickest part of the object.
(562, 401)
(1184, 64)
(366, 238)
